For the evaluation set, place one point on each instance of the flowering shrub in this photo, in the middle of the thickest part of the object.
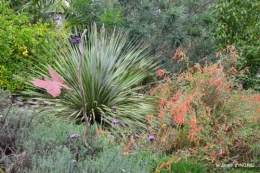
(205, 114)
(74, 136)
(20, 44)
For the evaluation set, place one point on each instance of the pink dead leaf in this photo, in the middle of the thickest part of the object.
(53, 86)
(217, 54)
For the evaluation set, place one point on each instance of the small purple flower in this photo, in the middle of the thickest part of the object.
(75, 39)
(112, 85)
(74, 161)
(151, 138)
(114, 108)
(74, 136)
(115, 121)
(136, 136)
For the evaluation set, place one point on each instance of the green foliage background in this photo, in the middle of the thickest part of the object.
(238, 23)
(163, 25)
(20, 44)
(166, 25)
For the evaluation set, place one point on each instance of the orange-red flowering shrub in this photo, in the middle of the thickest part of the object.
(160, 73)
(205, 114)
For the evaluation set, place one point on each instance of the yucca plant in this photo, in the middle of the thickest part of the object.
(111, 73)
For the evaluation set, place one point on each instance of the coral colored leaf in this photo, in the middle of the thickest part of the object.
(55, 76)
(50, 86)
(162, 165)
(247, 70)
(53, 86)
(234, 71)
(206, 148)
(217, 54)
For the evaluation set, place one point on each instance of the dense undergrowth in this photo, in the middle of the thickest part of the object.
(208, 123)
(33, 142)
(183, 117)
(207, 116)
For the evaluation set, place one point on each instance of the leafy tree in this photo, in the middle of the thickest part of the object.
(238, 23)
(198, 24)
(43, 9)
(84, 13)
(77, 12)
(164, 25)
(168, 25)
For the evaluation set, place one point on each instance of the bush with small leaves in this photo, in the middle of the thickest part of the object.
(20, 44)
(32, 142)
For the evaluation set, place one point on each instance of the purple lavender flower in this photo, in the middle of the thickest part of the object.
(74, 136)
(137, 136)
(75, 39)
(74, 161)
(114, 108)
(151, 138)
(115, 121)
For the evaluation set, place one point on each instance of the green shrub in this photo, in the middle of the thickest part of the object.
(184, 167)
(166, 25)
(5, 99)
(12, 124)
(110, 159)
(35, 143)
(236, 26)
(20, 44)
(106, 13)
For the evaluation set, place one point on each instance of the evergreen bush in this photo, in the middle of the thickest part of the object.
(32, 142)
(20, 44)
(238, 23)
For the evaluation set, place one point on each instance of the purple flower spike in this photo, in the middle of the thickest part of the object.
(75, 39)
(114, 108)
(137, 136)
(115, 121)
(74, 161)
(74, 136)
(151, 138)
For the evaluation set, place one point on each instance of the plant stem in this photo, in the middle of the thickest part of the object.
(10, 106)
(84, 108)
